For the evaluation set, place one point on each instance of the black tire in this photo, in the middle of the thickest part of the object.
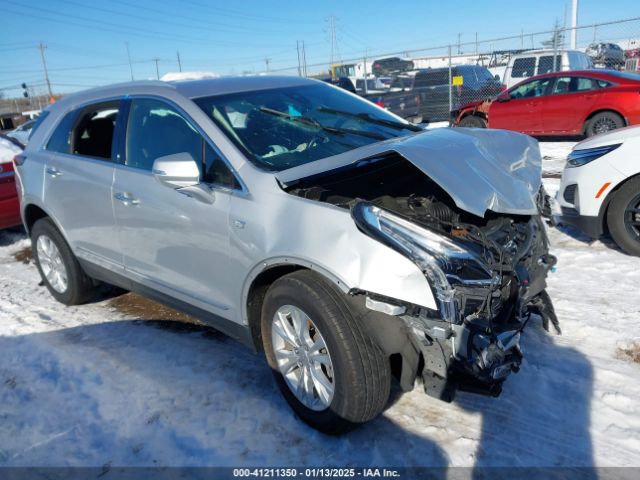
(603, 122)
(80, 287)
(472, 121)
(620, 216)
(361, 372)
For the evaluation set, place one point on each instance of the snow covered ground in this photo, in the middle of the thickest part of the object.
(90, 386)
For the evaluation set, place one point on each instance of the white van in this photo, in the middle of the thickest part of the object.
(537, 62)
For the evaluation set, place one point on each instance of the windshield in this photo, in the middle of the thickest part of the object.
(287, 127)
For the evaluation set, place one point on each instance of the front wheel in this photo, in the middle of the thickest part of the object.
(327, 367)
(623, 217)
(472, 121)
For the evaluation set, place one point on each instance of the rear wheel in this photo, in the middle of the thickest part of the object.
(327, 367)
(603, 122)
(60, 271)
(473, 121)
(623, 217)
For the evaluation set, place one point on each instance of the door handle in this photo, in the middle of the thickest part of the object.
(53, 172)
(126, 199)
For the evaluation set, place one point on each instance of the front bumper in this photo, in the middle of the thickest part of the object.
(591, 226)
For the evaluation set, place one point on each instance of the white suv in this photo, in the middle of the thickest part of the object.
(600, 188)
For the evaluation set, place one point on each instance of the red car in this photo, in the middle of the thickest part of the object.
(584, 102)
(9, 205)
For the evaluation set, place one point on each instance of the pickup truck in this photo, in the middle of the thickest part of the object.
(428, 91)
(404, 103)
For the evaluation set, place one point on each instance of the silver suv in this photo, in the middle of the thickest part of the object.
(348, 245)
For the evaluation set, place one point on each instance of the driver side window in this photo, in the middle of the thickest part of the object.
(535, 88)
(155, 129)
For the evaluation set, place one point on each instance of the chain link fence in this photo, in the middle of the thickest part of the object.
(427, 84)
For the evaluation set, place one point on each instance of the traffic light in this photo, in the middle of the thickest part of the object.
(26, 90)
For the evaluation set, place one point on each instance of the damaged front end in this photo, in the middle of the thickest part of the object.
(486, 273)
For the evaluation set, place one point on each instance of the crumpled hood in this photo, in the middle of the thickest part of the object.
(482, 169)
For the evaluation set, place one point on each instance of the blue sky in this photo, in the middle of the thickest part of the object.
(86, 40)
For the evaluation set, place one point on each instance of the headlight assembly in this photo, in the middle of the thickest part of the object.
(577, 158)
(443, 261)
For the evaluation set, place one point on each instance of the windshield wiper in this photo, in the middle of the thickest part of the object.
(371, 119)
(314, 123)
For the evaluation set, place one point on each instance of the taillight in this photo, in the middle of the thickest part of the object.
(380, 103)
(19, 159)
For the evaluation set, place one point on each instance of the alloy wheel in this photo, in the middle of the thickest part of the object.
(51, 263)
(303, 357)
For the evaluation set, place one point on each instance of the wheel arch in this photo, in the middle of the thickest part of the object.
(263, 276)
(32, 213)
(604, 208)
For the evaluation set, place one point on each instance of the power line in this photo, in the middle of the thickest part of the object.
(126, 44)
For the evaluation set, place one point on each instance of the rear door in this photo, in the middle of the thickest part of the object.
(78, 180)
(569, 103)
(522, 111)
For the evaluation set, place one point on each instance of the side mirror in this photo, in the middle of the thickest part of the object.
(504, 97)
(179, 170)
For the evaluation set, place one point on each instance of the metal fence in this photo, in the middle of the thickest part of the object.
(446, 76)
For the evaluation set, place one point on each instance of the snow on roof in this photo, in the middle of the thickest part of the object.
(180, 76)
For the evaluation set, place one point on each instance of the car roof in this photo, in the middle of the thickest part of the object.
(593, 72)
(188, 88)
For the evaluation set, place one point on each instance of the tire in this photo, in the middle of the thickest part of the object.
(360, 373)
(620, 217)
(472, 121)
(77, 287)
(603, 122)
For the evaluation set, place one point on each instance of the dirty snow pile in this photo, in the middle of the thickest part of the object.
(87, 385)
(7, 150)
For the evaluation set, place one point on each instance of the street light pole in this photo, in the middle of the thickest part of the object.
(574, 24)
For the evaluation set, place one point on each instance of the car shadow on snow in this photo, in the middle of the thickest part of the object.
(576, 234)
(164, 393)
(543, 417)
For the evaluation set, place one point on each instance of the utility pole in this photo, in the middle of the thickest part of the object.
(46, 73)
(364, 66)
(574, 24)
(179, 62)
(459, 50)
(126, 44)
(157, 71)
(304, 60)
(299, 64)
(266, 62)
(335, 53)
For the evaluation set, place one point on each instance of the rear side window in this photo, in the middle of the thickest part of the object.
(60, 141)
(545, 64)
(93, 133)
(523, 67)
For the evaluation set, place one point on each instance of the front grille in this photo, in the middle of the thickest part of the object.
(570, 194)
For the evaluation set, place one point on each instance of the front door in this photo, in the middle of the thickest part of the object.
(521, 112)
(173, 243)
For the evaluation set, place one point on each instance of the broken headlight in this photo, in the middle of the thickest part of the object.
(443, 261)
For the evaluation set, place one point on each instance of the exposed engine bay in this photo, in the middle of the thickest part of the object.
(488, 273)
